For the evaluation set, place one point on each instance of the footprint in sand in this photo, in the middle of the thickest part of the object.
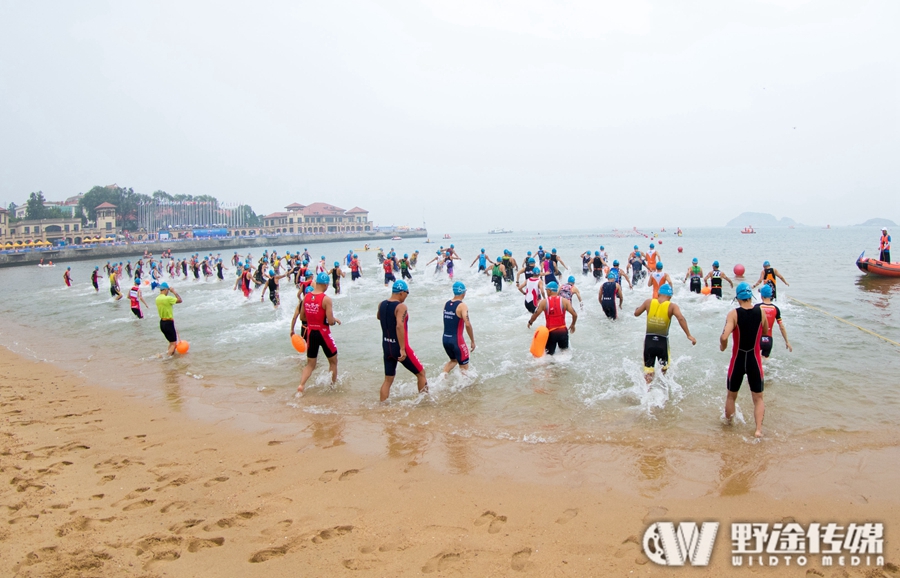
(278, 528)
(519, 560)
(347, 475)
(495, 522)
(275, 442)
(268, 554)
(329, 533)
(655, 513)
(173, 506)
(214, 481)
(106, 478)
(442, 562)
(264, 470)
(23, 519)
(140, 505)
(567, 516)
(326, 477)
(197, 544)
(185, 525)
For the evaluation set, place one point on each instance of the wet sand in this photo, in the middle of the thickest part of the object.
(109, 482)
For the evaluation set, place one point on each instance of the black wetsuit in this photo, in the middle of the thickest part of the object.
(746, 357)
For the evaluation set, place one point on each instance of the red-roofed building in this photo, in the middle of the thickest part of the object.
(317, 218)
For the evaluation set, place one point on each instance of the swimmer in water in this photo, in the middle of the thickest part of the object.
(271, 285)
(554, 309)
(394, 317)
(456, 316)
(773, 316)
(568, 289)
(482, 262)
(660, 311)
(336, 275)
(532, 288)
(317, 312)
(695, 273)
(714, 280)
(658, 278)
(136, 298)
(95, 279)
(497, 273)
(67, 276)
(114, 285)
(355, 269)
(607, 296)
(749, 324)
(388, 267)
(165, 303)
(597, 266)
(617, 271)
(768, 276)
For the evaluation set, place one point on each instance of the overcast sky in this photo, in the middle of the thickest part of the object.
(469, 114)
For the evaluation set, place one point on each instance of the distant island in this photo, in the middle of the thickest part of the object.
(878, 223)
(760, 220)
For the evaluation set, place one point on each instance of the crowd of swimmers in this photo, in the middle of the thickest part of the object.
(538, 279)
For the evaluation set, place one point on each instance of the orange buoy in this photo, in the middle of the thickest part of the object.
(182, 347)
(539, 342)
(706, 291)
(298, 343)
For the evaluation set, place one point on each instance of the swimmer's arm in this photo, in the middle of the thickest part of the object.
(561, 262)
(762, 276)
(294, 320)
(641, 308)
(265, 288)
(330, 319)
(520, 286)
(573, 313)
(400, 314)
(465, 316)
(724, 276)
(777, 274)
(683, 322)
(177, 296)
(765, 325)
(473, 262)
(730, 323)
(540, 309)
(784, 334)
(621, 296)
(577, 294)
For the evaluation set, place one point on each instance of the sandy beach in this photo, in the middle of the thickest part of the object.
(105, 482)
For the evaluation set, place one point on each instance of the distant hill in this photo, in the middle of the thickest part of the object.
(878, 223)
(759, 220)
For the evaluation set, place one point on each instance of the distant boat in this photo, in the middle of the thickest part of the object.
(396, 238)
(446, 236)
(827, 226)
(498, 232)
(748, 230)
(663, 230)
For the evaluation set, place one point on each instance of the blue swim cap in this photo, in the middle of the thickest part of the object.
(482, 250)
(694, 260)
(665, 289)
(323, 257)
(536, 271)
(553, 250)
(337, 264)
(96, 268)
(437, 252)
(400, 287)
(637, 253)
(271, 272)
(616, 263)
(602, 247)
(766, 291)
(309, 273)
(744, 291)
(163, 285)
(635, 247)
(451, 246)
(459, 288)
(406, 255)
(659, 265)
(540, 246)
(531, 260)
(715, 263)
(499, 259)
(68, 268)
(529, 253)
(305, 262)
(766, 264)
(552, 286)
(322, 279)
(596, 253)
(571, 278)
(611, 276)
(355, 255)
(309, 289)
(506, 251)
(652, 245)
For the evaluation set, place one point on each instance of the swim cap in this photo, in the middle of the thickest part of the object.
(322, 257)
(68, 268)
(529, 253)
(715, 263)
(659, 265)
(96, 268)
(536, 271)
(271, 272)
(766, 291)
(611, 276)
(635, 247)
(665, 289)
(499, 259)
(459, 288)
(571, 278)
(163, 285)
(399, 287)
(355, 255)
(531, 260)
(506, 251)
(602, 247)
(451, 246)
(553, 250)
(482, 250)
(616, 263)
(744, 291)
(553, 286)
(337, 264)
(322, 279)
(596, 253)
(309, 289)
(437, 252)
(305, 262)
(405, 256)
(637, 253)
(540, 246)
(652, 245)
(766, 264)
(694, 261)
(309, 273)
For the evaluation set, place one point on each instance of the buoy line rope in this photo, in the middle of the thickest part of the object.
(869, 331)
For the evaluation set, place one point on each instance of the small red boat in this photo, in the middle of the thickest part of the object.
(876, 267)
(748, 231)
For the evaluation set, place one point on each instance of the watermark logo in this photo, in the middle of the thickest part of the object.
(761, 544)
(669, 545)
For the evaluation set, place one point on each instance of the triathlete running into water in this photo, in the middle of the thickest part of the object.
(748, 325)
(660, 311)
(568, 289)
(768, 276)
(554, 309)
(482, 261)
(597, 265)
(456, 316)
(67, 277)
(271, 286)
(714, 279)
(316, 312)
(336, 275)
(773, 316)
(95, 279)
(394, 316)
(658, 279)
(532, 288)
(136, 298)
(497, 272)
(609, 291)
(695, 273)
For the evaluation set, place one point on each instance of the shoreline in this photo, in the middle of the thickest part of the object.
(111, 482)
(62, 255)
